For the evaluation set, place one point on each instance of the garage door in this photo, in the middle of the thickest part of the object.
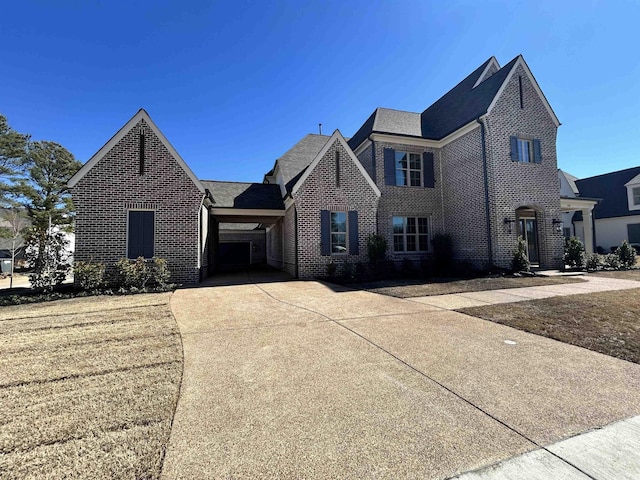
(235, 254)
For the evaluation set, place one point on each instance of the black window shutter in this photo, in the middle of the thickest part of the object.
(147, 235)
(325, 232)
(514, 149)
(428, 170)
(537, 151)
(389, 166)
(140, 241)
(353, 233)
(135, 235)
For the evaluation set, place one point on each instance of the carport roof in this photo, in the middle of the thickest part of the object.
(260, 196)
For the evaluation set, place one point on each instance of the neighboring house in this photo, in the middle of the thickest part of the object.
(616, 217)
(479, 164)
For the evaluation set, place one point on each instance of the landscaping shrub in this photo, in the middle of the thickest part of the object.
(594, 261)
(90, 276)
(442, 252)
(138, 274)
(46, 253)
(376, 248)
(520, 262)
(612, 261)
(574, 256)
(627, 255)
(159, 272)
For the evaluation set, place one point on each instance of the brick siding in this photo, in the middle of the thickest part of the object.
(103, 197)
(320, 192)
(514, 184)
(406, 201)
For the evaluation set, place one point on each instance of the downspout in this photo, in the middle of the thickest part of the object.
(486, 193)
(375, 176)
(295, 224)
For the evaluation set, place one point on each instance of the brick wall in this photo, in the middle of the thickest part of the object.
(320, 192)
(464, 198)
(515, 184)
(289, 232)
(105, 194)
(406, 201)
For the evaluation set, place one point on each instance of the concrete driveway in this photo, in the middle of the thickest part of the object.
(304, 379)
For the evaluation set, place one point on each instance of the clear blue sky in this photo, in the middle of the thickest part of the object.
(234, 84)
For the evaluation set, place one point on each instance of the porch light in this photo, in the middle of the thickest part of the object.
(509, 222)
(557, 224)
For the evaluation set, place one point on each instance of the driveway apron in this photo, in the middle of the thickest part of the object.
(305, 379)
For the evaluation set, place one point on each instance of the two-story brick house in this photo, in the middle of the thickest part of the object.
(478, 164)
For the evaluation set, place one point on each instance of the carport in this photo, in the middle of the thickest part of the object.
(237, 223)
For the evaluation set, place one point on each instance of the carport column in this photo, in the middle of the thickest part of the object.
(587, 221)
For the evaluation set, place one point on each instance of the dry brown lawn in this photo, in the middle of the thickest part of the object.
(606, 322)
(623, 274)
(425, 288)
(88, 387)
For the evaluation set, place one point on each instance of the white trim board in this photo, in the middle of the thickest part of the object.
(140, 115)
(492, 63)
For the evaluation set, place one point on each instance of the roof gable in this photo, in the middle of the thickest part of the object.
(140, 115)
(519, 61)
(336, 137)
(611, 188)
(298, 157)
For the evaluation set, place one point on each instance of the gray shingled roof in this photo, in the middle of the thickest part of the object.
(299, 157)
(245, 195)
(463, 103)
(459, 106)
(610, 188)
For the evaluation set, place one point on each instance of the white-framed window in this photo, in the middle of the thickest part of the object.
(410, 234)
(408, 168)
(635, 194)
(338, 232)
(525, 150)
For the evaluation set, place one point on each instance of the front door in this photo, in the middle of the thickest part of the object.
(529, 231)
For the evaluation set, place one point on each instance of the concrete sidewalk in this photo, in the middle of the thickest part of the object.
(305, 379)
(508, 295)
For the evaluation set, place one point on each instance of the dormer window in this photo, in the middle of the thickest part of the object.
(633, 193)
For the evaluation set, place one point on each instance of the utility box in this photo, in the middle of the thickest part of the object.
(5, 265)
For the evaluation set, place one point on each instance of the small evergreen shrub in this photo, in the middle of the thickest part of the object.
(574, 256)
(376, 247)
(47, 255)
(594, 261)
(627, 255)
(442, 252)
(520, 262)
(90, 276)
(612, 261)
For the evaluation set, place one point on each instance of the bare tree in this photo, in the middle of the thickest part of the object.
(14, 223)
